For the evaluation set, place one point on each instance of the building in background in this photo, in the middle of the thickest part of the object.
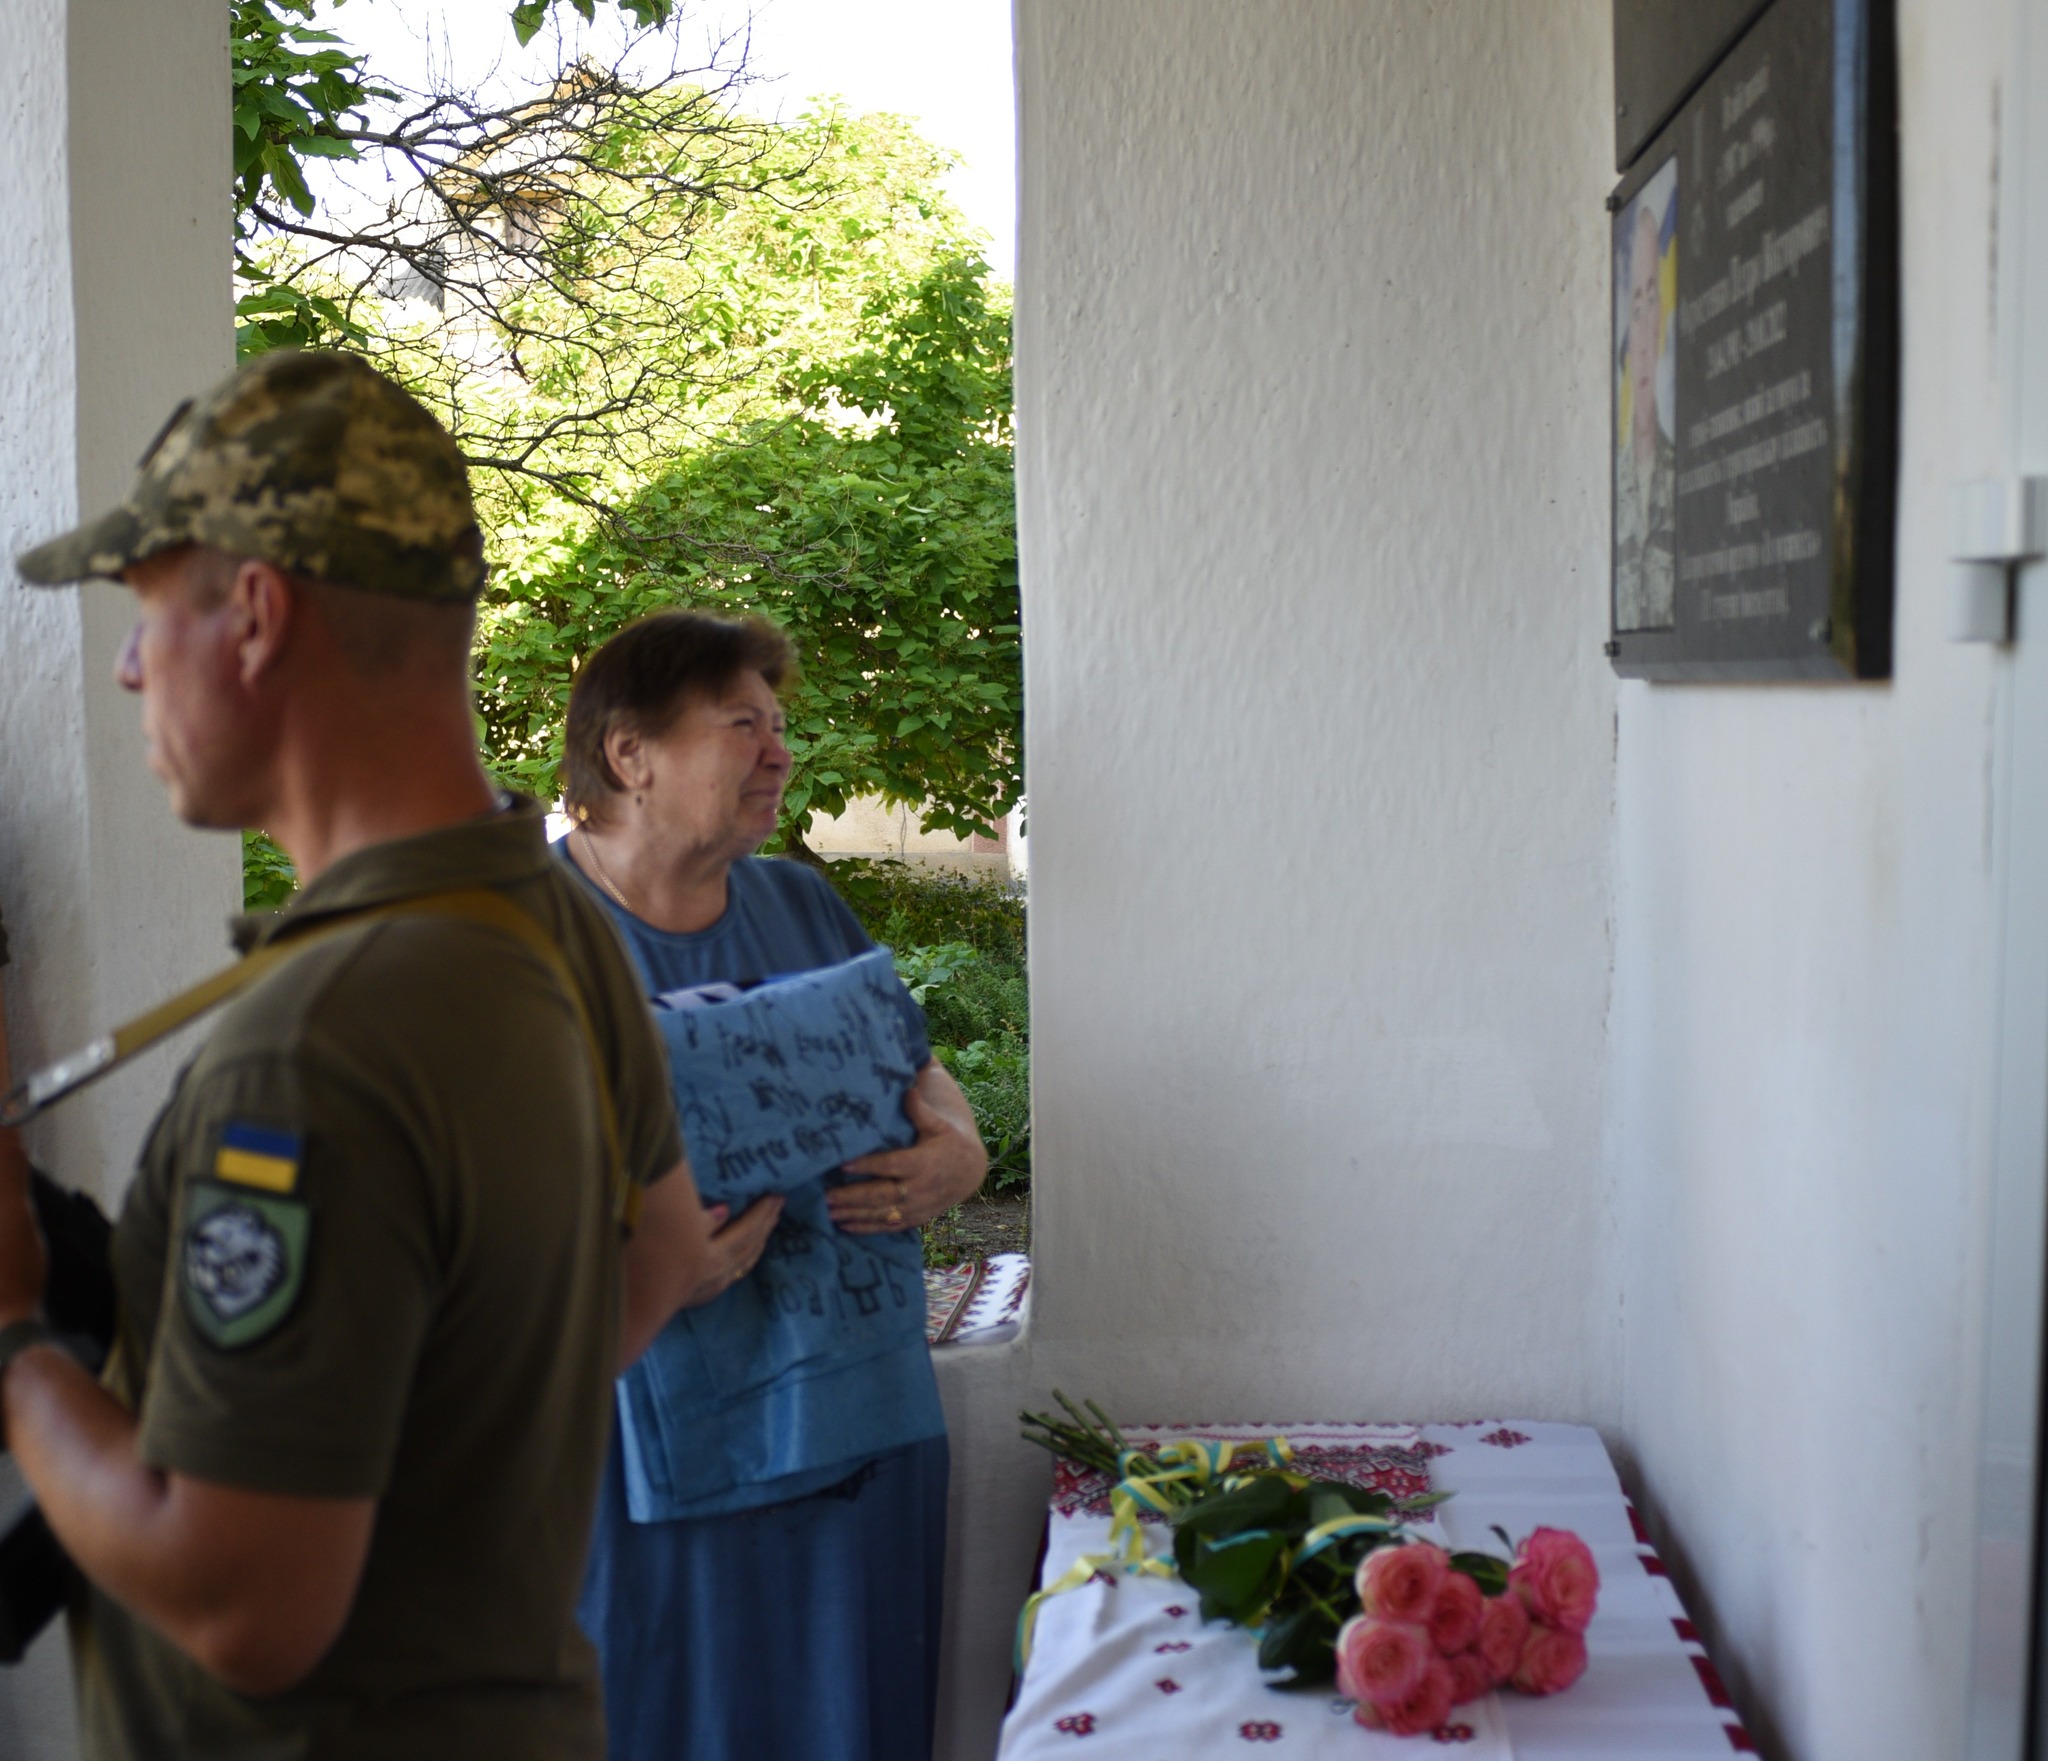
(873, 828)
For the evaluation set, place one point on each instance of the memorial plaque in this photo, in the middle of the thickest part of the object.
(1755, 380)
(1662, 50)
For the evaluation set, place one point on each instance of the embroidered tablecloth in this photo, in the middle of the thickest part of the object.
(980, 1302)
(1122, 1667)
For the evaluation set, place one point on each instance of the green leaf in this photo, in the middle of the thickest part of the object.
(1257, 1504)
(1304, 1640)
(1488, 1572)
(1235, 1577)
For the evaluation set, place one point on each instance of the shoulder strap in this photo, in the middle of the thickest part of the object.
(45, 1087)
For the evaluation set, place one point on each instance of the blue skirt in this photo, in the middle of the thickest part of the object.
(803, 1631)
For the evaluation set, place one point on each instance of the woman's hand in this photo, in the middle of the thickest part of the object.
(685, 1253)
(904, 1189)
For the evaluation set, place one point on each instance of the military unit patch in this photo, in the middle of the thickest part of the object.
(254, 1155)
(244, 1260)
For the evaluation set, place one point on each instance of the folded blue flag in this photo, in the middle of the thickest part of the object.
(792, 1079)
(777, 1088)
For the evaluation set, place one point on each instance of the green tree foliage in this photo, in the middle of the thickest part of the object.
(300, 93)
(875, 523)
(700, 360)
(529, 15)
(268, 878)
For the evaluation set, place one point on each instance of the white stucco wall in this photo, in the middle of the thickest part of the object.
(1803, 1000)
(116, 287)
(1311, 416)
(1310, 325)
(114, 281)
(1529, 1042)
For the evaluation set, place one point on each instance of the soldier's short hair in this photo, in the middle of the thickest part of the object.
(644, 678)
(376, 634)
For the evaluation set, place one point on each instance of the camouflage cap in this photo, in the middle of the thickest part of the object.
(310, 460)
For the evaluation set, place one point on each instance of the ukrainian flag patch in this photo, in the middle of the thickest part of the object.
(256, 1155)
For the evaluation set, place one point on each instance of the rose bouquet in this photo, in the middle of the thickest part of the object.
(1436, 1629)
(1333, 1583)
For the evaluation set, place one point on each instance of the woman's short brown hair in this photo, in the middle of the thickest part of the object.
(643, 678)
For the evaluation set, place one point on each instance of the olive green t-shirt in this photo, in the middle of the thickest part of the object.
(371, 1252)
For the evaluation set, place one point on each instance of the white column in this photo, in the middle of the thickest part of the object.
(114, 174)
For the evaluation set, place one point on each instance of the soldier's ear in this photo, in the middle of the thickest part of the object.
(267, 609)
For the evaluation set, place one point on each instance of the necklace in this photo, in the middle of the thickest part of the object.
(604, 879)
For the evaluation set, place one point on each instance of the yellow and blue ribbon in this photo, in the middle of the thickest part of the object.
(1161, 1482)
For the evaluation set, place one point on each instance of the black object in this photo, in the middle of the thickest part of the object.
(1774, 485)
(78, 1299)
(37, 1577)
(36, 1581)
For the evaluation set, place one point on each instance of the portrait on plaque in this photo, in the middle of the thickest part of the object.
(1645, 404)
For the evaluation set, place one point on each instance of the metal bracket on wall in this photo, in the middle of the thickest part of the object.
(1995, 524)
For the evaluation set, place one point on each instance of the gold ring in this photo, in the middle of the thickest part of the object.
(895, 1213)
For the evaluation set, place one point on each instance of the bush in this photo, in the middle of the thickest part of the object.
(907, 906)
(959, 943)
(268, 878)
(995, 1075)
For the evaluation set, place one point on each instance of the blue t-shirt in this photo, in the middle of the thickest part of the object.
(806, 1430)
(779, 917)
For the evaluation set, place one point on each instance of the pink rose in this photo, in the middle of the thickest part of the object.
(1551, 1661)
(1423, 1708)
(1470, 1678)
(1454, 1621)
(1503, 1631)
(1556, 1578)
(1380, 1661)
(1400, 1583)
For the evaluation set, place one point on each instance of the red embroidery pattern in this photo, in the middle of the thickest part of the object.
(1429, 1449)
(1259, 1731)
(1505, 1438)
(1077, 1724)
(1167, 1685)
(1710, 1679)
(1452, 1733)
(1174, 1645)
(1400, 1472)
(1175, 1612)
(1711, 1683)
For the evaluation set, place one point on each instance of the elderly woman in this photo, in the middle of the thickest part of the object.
(773, 1590)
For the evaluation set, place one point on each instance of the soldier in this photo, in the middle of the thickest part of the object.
(333, 1497)
(1645, 464)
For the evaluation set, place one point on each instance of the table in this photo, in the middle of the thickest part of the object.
(1122, 1667)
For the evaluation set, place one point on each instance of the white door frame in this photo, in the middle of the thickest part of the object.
(2009, 1686)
